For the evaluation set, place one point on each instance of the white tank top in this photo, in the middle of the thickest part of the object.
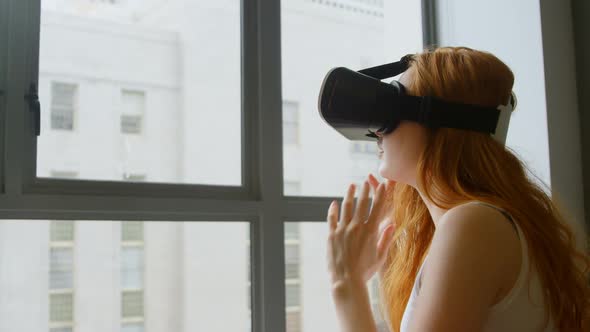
(517, 311)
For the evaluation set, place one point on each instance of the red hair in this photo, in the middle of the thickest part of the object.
(459, 166)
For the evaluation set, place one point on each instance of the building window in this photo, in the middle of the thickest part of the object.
(132, 327)
(64, 174)
(293, 320)
(133, 109)
(290, 123)
(292, 260)
(366, 148)
(132, 177)
(365, 7)
(293, 276)
(61, 280)
(292, 231)
(132, 276)
(63, 105)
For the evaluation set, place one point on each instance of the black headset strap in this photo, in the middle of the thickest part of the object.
(388, 70)
(435, 113)
(420, 109)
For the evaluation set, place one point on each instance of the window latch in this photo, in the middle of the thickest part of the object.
(34, 107)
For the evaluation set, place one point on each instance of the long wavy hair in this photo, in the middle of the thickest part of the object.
(458, 166)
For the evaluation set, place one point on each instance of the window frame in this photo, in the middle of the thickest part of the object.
(259, 200)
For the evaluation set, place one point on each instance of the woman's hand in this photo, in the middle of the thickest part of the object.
(356, 247)
(385, 217)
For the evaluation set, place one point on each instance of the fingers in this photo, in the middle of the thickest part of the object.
(347, 207)
(373, 181)
(362, 208)
(333, 216)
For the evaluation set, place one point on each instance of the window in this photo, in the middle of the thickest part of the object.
(292, 260)
(61, 275)
(132, 113)
(293, 276)
(132, 327)
(290, 122)
(132, 274)
(368, 148)
(195, 118)
(306, 289)
(365, 7)
(134, 177)
(63, 105)
(146, 86)
(325, 162)
(187, 273)
(64, 174)
(291, 231)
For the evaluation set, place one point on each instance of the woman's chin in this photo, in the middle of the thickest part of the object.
(383, 170)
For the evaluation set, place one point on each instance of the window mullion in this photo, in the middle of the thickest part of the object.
(263, 119)
(4, 34)
(429, 23)
(23, 39)
(307, 208)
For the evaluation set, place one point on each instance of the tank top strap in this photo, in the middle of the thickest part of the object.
(524, 266)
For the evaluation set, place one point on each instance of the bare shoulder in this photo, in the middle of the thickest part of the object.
(480, 229)
(473, 260)
(484, 239)
(477, 218)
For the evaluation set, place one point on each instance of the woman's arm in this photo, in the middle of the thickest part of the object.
(351, 299)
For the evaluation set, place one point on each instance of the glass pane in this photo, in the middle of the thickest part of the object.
(61, 260)
(61, 329)
(291, 231)
(123, 81)
(63, 105)
(132, 327)
(62, 230)
(318, 36)
(292, 261)
(293, 320)
(132, 267)
(132, 304)
(61, 307)
(309, 304)
(132, 231)
(193, 277)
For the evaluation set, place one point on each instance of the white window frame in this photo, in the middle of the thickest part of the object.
(259, 200)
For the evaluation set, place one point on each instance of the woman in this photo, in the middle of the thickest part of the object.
(468, 242)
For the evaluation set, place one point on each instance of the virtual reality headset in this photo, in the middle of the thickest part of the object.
(359, 104)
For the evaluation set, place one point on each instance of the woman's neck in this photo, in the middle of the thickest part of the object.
(436, 212)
